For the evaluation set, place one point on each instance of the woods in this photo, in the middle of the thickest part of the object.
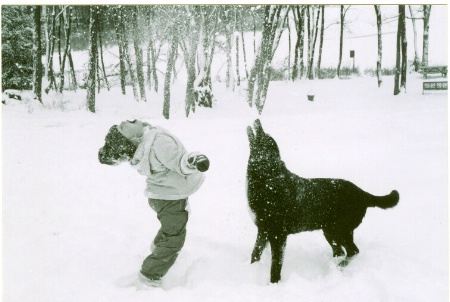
(155, 42)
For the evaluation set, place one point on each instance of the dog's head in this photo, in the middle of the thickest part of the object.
(262, 145)
(117, 148)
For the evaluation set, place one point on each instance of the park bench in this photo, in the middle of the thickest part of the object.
(437, 85)
(426, 70)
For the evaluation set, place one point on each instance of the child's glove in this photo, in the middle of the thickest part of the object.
(200, 161)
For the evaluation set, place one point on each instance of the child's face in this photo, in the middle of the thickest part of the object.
(131, 129)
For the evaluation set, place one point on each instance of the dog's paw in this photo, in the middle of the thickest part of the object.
(344, 262)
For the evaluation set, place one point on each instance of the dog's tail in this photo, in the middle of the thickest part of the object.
(384, 202)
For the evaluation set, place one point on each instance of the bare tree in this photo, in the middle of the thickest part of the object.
(426, 29)
(152, 77)
(416, 51)
(170, 64)
(51, 74)
(401, 58)
(380, 46)
(322, 30)
(260, 74)
(138, 53)
(47, 40)
(100, 43)
(66, 20)
(312, 42)
(341, 39)
(126, 53)
(37, 54)
(93, 54)
(118, 26)
(243, 45)
(298, 13)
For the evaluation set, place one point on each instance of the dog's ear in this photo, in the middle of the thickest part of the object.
(250, 134)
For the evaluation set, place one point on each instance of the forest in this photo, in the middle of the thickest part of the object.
(151, 39)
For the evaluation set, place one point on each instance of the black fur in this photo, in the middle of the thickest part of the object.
(116, 149)
(285, 203)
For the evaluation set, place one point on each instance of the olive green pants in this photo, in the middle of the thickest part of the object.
(170, 238)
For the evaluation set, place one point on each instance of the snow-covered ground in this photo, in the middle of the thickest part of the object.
(75, 230)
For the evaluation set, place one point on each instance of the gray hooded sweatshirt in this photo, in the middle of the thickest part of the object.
(163, 159)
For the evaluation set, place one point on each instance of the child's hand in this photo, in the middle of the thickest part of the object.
(200, 161)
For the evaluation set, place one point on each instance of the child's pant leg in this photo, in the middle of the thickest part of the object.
(170, 238)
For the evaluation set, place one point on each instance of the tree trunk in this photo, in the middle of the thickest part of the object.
(170, 64)
(37, 54)
(47, 41)
(261, 71)
(310, 34)
(128, 61)
(313, 47)
(61, 21)
(426, 29)
(288, 76)
(74, 85)
(298, 50)
(92, 58)
(100, 41)
(302, 42)
(243, 48)
(404, 49)
(67, 29)
(238, 75)
(97, 30)
(68, 52)
(322, 29)
(138, 55)
(202, 86)
(416, 50)
(51, 74)
(228, 80)
(119, 33)
(341, 42)
(150, 49)
(380, 46)
(398, 62)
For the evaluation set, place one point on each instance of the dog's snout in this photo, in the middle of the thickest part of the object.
(258, 126)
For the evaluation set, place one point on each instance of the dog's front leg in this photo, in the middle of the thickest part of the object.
(260, 245)
(277, 245)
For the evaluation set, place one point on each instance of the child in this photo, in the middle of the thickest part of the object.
(172, 174)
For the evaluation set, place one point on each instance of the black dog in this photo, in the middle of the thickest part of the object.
(285, 203)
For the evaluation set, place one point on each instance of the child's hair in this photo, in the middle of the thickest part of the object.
(117, 148)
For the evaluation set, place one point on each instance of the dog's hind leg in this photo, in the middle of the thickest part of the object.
(335, 243)
(350, 247)
(260, 245)
(277, 246)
